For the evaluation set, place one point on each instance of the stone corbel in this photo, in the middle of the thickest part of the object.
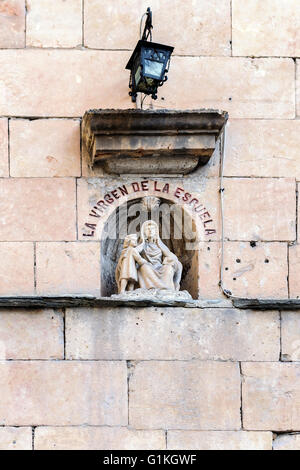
(135, 141)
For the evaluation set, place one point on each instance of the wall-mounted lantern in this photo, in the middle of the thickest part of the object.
(148, 64)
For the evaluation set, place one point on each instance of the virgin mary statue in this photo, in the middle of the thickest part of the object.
(150, 265)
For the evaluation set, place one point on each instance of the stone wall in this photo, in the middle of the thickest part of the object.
(152, 378)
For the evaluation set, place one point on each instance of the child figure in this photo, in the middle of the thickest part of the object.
(126, 271)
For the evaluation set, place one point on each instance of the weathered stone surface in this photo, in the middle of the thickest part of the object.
(259, 209)
(172, 141)
(68, 268)
(287, 442)
(31, 334)
(16, 269)
(73, 300)
(256, 271)
(294, 272)
(186, 395)
(37, 209)
(63, 393)
(266, 304)
(209, 255)
(44, 147)
(97, 438)
(153, 295)
(268, 29)
(262, 87)
(271, 397)
(12, 23)
(3, 148)
(208, 32)
(211, 169)
(15, 438)
(262, 148)
(54, 24)
(97, 171)
(246, 88)
(69, 82)
(219, 440)
(298, 190)
(172, 334)
(298, 87)
(290, 336)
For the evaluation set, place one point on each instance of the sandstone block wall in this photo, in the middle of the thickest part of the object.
(149, 378)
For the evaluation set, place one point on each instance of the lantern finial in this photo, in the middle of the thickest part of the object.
(148, 26)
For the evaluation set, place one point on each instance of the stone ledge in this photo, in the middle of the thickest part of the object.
(266, 304)
(90, 301)
(135, 141)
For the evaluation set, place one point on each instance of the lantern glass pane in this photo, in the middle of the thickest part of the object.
(137, 75)
(154, 68)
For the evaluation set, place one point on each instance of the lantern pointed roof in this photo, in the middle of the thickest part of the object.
(141, 43)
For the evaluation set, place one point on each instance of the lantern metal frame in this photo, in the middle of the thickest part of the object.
(145, 54)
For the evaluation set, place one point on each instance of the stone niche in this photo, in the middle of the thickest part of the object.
(165, 142)
(177, 231)
(145, 143)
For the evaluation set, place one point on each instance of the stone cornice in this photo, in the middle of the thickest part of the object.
(151, 142)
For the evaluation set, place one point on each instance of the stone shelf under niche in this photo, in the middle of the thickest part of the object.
(165, 142)
(91, 301)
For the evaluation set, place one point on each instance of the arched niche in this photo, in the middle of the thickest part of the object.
(177, 230)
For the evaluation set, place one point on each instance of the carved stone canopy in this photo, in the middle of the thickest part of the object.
(135, 141)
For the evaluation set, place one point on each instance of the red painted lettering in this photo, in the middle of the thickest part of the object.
(205, 215)
(91, 226)
(93, 213)
(177, 192)
(108, 199)
(194, 200)
(207, 222)
(144, 185)
(115, 194)
(102, 204)
(155, 187)
(136, 187)
(123, 190)
(199, 208)
(186, 197)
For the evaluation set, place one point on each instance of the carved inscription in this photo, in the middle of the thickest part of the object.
(160, 188)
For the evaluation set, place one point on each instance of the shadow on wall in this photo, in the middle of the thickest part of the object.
(176, 228)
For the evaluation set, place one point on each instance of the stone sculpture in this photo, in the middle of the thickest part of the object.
(127, 267)
(149, 267)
